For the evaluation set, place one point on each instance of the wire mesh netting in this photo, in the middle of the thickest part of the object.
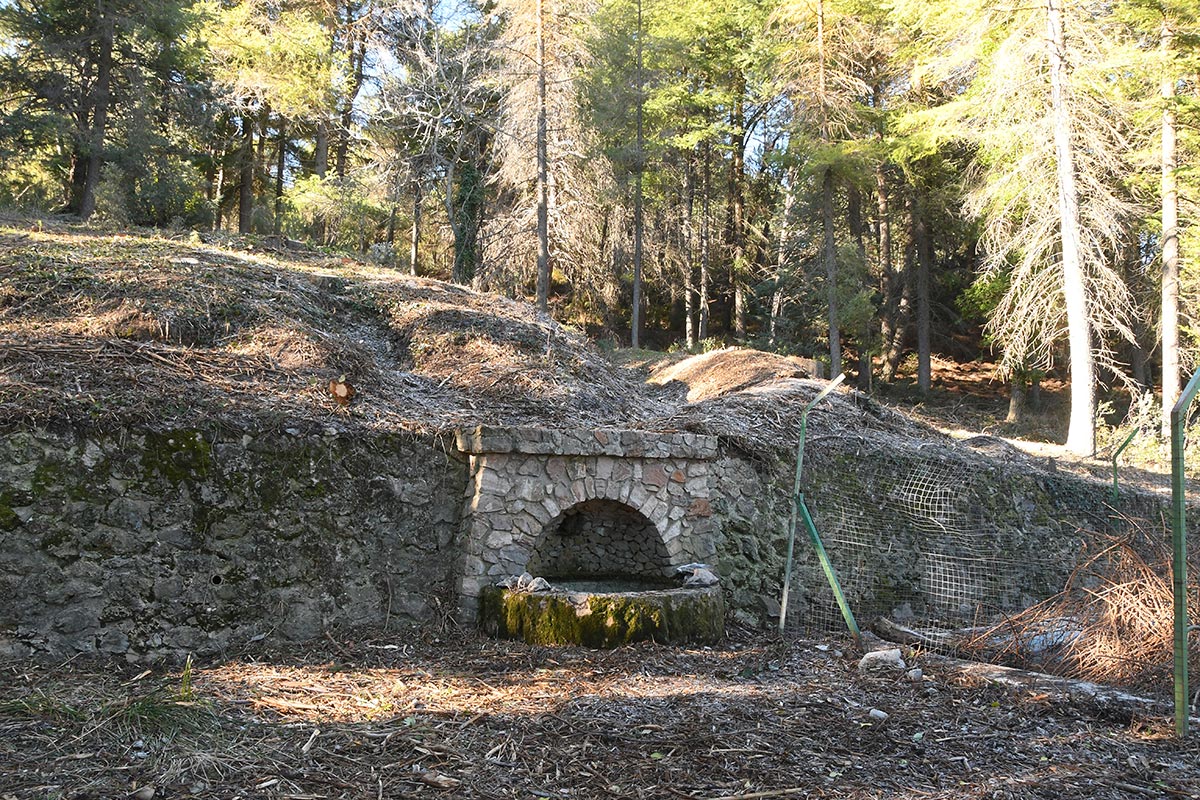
(1006, 561)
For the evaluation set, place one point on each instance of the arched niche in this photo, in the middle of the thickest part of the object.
(597, 538)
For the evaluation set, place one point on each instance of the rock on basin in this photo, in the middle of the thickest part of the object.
(604, 619)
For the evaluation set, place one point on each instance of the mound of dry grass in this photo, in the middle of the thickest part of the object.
(111, 329)
(733, 369)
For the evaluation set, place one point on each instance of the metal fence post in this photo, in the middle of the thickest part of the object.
(1179, 552)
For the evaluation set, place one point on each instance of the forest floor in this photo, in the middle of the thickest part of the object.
(458, 716)
(968, 400)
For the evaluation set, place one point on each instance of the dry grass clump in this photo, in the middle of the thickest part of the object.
(1112, 623)
(732, 369)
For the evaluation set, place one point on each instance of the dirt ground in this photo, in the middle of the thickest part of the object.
(459, 716)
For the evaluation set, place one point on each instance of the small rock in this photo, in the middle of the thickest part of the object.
(702, 577)
(526, 583)
(539, 585)
(144, 793)
(915, 674)
(882, 661)
(878, 715)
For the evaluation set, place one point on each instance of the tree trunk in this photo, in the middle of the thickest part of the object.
(1170, 239)
(638, 221)
(1016, 400)
(888, 322)
(781, 265)
(737, 208)
(1035, 393)
(260, 152)
(1081, 436)
(904, 304)
(321, 150)
(543, 211)
(924, 248)
(414, 239)
(854, 220)
(705, 242)
(246, 190)
(358, 57)
(219, 196)
(690, 247)
(831, 294)
(99, 122)
(829, 246)
(280, 166)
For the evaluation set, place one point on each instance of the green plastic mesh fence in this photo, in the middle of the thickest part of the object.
(997, 558)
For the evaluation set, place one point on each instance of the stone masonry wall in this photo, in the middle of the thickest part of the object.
(523, 479)
(936, 534)
(600, 537)
(160, 543)
(157, 543)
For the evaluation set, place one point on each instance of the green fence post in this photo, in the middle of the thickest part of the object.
(799, 507)
(1179, 552)
(1116, 455)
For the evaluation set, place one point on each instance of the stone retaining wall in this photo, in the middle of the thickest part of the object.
(157, 544)
(934, 533)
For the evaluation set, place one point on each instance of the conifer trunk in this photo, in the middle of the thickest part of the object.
(789, 202)
(280, 166)
(888, 321)
(1081, 436)
(246, 189)
(638, 222)
(830, 251)
(829, 245)
(737, 199)
(99, 122)
(1170, 239)
(705, 243)
(414, 238)
(924, 248)
(543, 211)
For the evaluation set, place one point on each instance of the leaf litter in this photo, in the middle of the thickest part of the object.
(453, 714)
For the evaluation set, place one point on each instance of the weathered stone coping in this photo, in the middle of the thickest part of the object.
(587, 442)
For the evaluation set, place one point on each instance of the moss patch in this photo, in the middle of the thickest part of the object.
(177, 456)
(8, 518)
(677, 616)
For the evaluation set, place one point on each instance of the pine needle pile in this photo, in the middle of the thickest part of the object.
(1112, 623)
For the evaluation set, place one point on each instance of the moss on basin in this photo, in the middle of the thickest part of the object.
(604, 620)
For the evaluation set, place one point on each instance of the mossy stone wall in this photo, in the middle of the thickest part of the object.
(932, 533)
(157, 543)
(675, 616)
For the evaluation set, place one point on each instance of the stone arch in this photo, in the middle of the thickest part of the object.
(600, 537)
(523, 481)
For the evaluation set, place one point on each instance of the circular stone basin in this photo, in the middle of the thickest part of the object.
(605, 613)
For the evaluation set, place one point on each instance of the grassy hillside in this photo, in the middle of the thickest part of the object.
(104, 328)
